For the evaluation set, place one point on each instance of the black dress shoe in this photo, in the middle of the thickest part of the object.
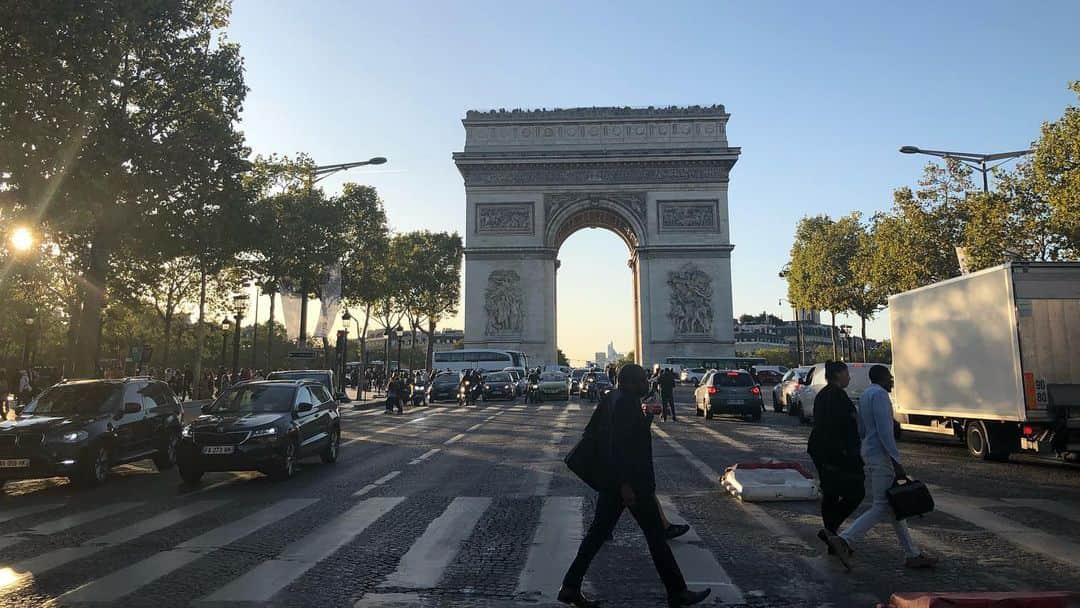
(575, 598)
(676, 530)
(687, 597)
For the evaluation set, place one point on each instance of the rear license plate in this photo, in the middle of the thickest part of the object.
(15, 463)
(211, 450)
(735, 401)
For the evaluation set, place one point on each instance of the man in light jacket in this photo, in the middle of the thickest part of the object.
(883, 467)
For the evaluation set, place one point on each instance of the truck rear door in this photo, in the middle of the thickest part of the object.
(1048, 318)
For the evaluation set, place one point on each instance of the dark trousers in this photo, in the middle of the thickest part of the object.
(839, 499)
(668, 399)
(609, 506)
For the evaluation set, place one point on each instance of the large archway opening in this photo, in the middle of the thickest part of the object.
(595, 305)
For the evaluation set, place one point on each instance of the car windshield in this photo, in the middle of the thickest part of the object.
(66, 400)
(577, 374)
(256, 399)
(322, 378)
(733, 379)
(499, 377)
(446, 379)
(553, 377)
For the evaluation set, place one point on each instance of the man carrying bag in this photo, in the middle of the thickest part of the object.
(875, 417)
(614, 457)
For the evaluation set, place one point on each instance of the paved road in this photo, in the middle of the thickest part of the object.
(448, 506)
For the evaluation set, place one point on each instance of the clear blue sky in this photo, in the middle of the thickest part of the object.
(821, 95)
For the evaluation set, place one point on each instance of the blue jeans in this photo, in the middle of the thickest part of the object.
(881, 474)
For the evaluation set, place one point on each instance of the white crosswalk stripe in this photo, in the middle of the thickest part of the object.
(271, 576)
(125, 581)
(54, 559)
(428, 557)
(10, 514)
(698, 564)
(67, 522)
(554, 545)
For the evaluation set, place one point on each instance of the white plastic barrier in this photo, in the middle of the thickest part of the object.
(773, 481)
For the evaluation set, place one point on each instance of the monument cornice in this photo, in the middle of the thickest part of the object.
(710, 171)
(594, 155)
(684, 251)
(593, 114)
(503, 253)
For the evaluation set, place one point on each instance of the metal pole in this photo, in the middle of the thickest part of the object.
(26, 349)
(236, 349)
(224, 343)
(255, 333)
(986, 188)
(398, 350)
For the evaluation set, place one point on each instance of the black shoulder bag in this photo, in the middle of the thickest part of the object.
(588, 459)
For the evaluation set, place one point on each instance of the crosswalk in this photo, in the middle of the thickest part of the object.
(553, 543)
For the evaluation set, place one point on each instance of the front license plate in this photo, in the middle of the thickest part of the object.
(15, 463)
(735, 401)
(211, 450)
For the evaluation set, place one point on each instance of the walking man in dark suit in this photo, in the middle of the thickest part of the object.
(667, 393)
(623, 432)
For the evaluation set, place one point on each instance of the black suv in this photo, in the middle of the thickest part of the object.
(261, 426)
(81, 429)
(443, 388)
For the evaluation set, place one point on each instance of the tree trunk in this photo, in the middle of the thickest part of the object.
(832, 333)
(168, 332)
(363, 338)
(89, 341)
(430, 344)
(74, 310)
(412, 347)
(270, 334)
(863, 319)
(200, 337)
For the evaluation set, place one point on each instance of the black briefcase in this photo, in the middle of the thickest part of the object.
(909, 498)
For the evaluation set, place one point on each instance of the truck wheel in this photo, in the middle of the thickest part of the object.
(978, 440)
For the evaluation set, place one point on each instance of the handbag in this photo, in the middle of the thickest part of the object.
(909, 498)
(588, 459)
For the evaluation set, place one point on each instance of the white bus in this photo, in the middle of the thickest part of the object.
(483, 359)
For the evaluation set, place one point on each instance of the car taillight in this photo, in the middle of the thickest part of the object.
(712, 390)
(1028, 431)
(756, 390)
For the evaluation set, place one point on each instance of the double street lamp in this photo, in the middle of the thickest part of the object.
(29, 324)
(225, 325)
(398, 332)
(975, 161)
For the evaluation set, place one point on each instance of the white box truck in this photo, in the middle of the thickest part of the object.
(992, 358)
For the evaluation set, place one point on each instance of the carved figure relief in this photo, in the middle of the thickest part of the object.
(691, 300)
(504, 218)
(504, 303)
(688, 216)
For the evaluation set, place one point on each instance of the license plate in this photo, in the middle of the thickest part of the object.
(217, 449)
(735, 401)
(15, 463)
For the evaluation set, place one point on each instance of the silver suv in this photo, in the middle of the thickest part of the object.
(729, 392)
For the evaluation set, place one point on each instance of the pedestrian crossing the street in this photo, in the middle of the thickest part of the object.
(421, 568)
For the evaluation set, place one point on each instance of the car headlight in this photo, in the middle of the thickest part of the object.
(267, 432)
(507, 387)
(186, 431)
(74, 436)
(487, 386)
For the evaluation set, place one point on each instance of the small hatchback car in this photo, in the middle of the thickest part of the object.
(728, 392)
(261, 426)
(81, 429)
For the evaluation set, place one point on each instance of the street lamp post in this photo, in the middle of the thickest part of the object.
(975, 161)
(316, 174)
(29, 324)
(798, 329)
(397, 334)
(346, 317)
(225, 324)
(239, 306)
(845, 345)
(255, 330)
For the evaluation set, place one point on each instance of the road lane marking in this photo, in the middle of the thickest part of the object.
(9, 514)
(54, 559)
(548, 460)
(67, 522)
(573, 407)
(265, 580)
(735, 443)
(1049, 506)
(698, 564)
(428, 557)
(385, 430)
(1030, 539)
(375, 484)
(125, 581)
(545, 408)
(454, 439)
(425, 456)
(474, 427)
(554, 545)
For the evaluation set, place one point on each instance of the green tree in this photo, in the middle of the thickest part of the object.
(819, 272)
(1057, 171)
(138, 102)
(560, 358)
(431, 267)
(367, 245)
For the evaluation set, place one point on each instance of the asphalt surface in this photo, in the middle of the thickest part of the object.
(448, 506)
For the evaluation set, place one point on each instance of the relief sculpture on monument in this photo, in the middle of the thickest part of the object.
(503, 303)
(691, 300)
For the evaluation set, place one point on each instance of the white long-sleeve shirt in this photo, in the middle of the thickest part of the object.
(876, 425)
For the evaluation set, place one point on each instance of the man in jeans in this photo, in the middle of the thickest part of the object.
(883, 466)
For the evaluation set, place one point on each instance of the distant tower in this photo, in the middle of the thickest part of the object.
(611, 354)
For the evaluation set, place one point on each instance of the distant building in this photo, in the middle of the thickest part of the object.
(754, 337)
(445, 339)
(601, 358)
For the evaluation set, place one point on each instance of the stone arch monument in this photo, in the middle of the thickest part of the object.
(656, 177)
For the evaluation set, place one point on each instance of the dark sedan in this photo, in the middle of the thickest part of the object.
(443, 388)
(82, 429)
(262, 426)
(499, 385)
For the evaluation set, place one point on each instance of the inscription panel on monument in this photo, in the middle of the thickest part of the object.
(688, 216)
(504, 218)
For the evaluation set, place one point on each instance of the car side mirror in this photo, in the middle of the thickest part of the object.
(19, 408)
(205, 408)
(304, 407)
(343, 398)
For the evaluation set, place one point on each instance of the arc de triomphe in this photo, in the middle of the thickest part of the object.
(656, 177)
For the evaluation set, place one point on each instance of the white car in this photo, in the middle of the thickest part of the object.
(783, 390)
(692, 375)
(802, 400)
